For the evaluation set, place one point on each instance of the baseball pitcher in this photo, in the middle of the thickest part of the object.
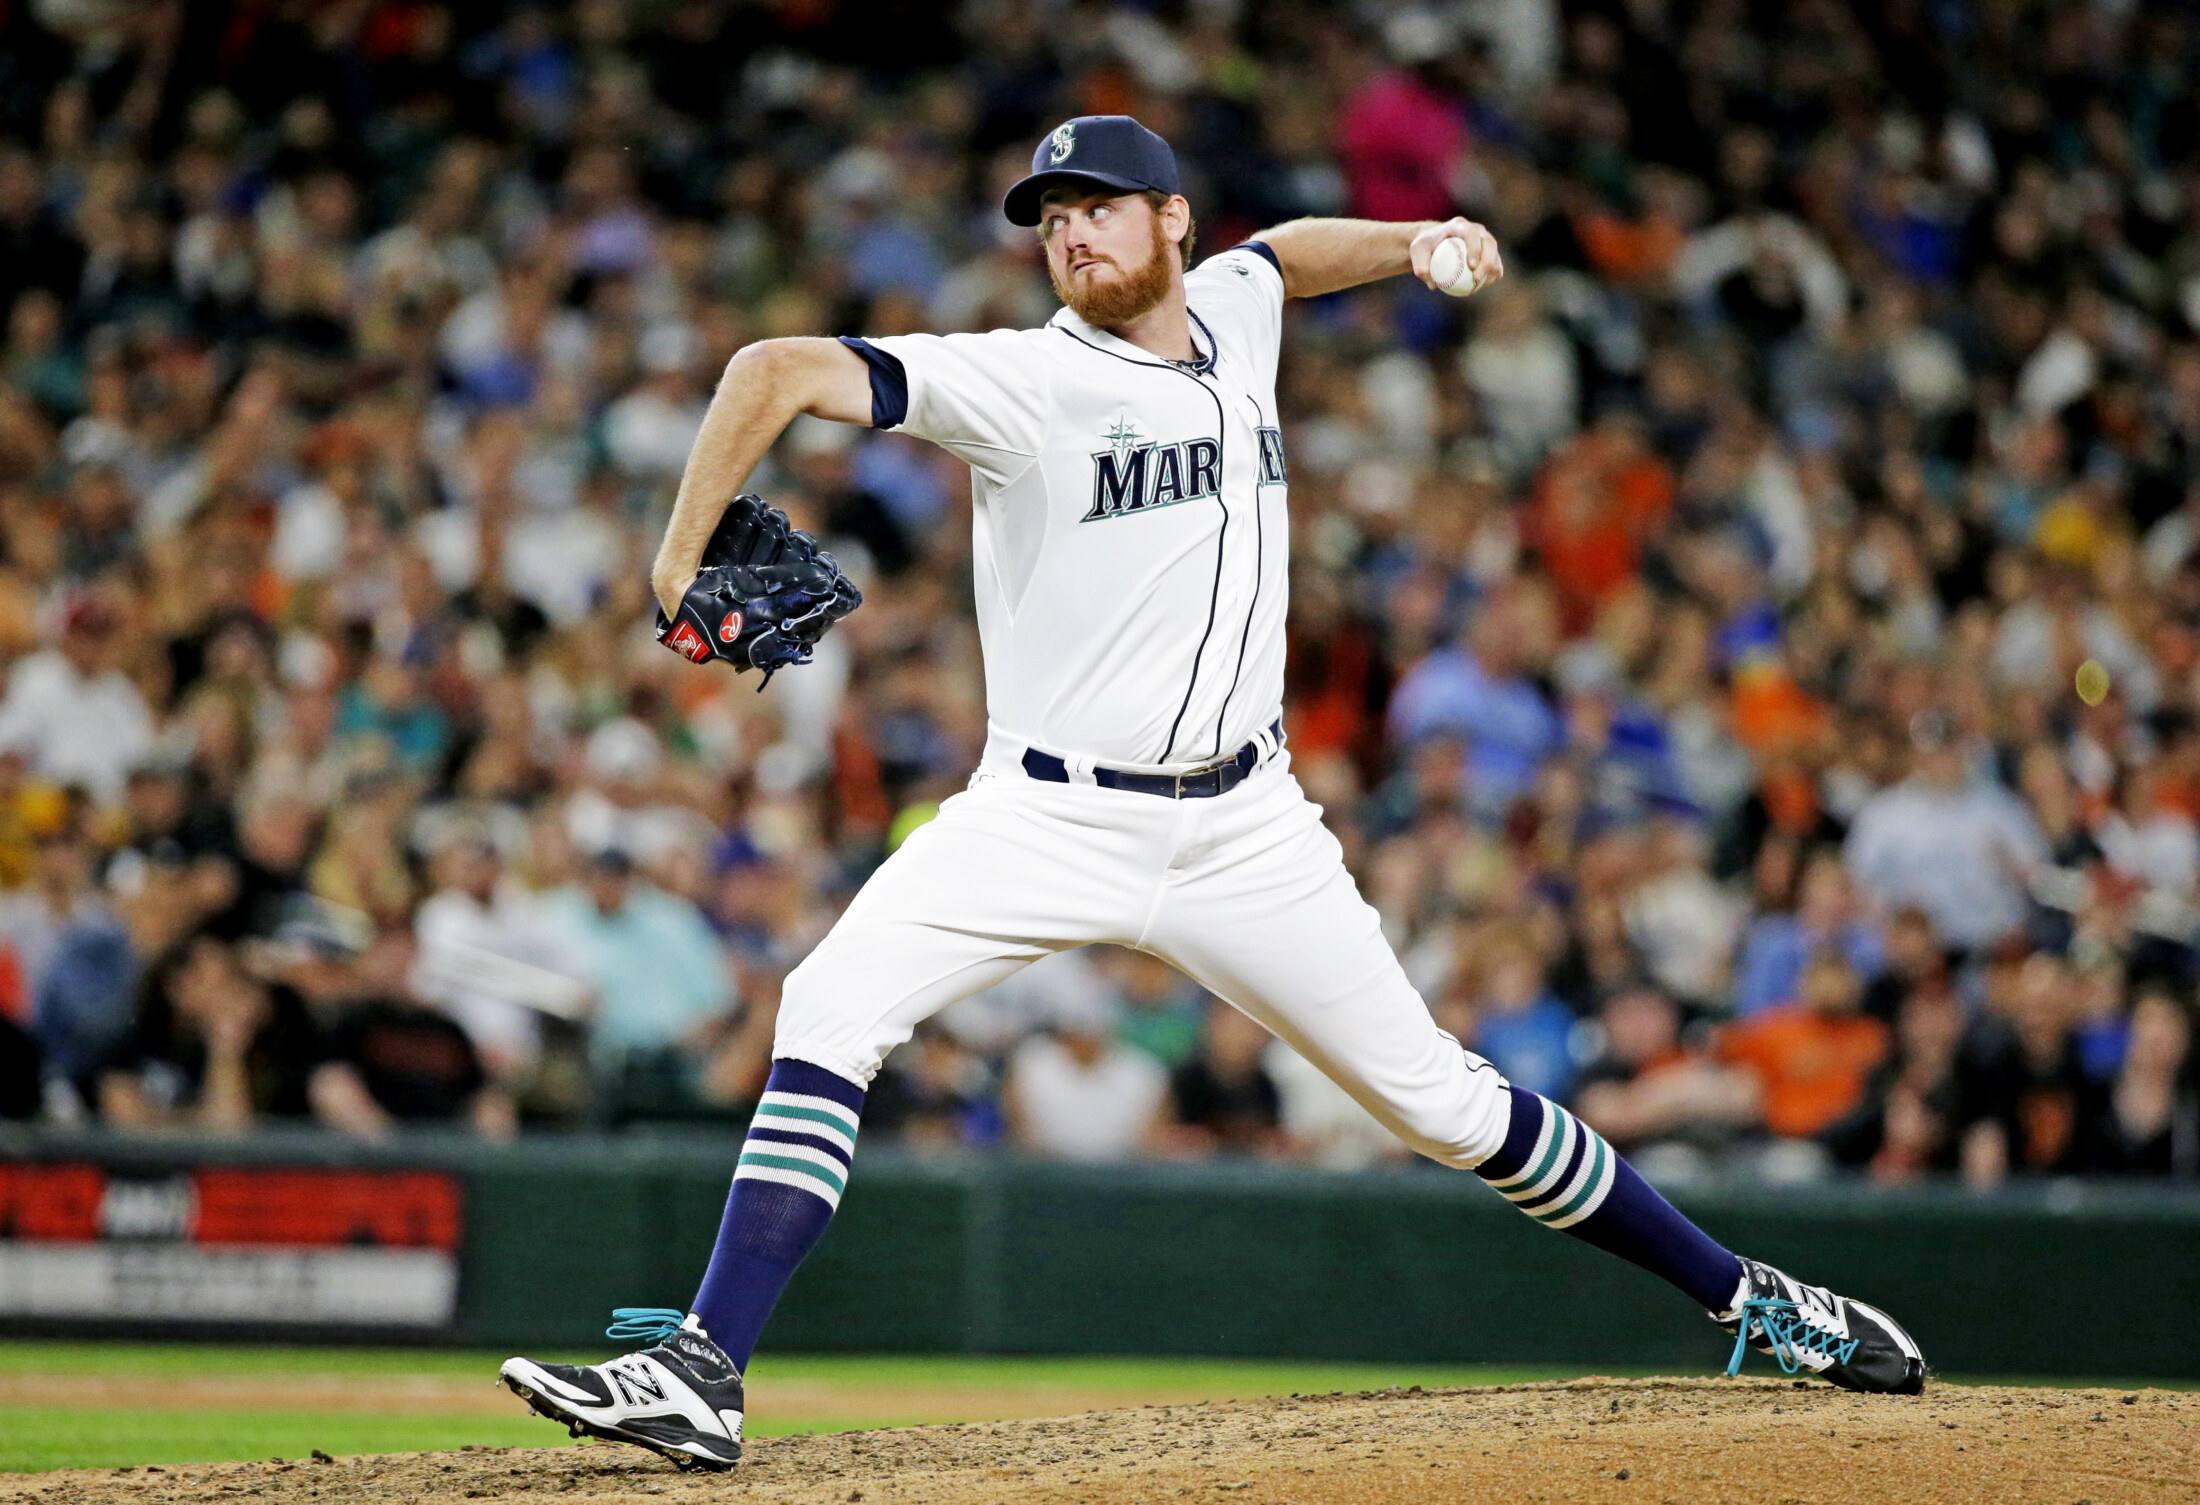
(1131, 553)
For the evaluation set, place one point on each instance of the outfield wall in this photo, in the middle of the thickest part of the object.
(535, 1244)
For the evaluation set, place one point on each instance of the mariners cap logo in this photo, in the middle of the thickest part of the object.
(1064, 142)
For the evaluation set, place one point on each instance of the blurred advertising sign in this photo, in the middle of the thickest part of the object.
(341, 1248)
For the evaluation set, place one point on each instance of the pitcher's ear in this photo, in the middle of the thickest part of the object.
(1176, 219)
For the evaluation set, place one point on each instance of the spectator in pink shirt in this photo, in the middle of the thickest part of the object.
(1399, 138)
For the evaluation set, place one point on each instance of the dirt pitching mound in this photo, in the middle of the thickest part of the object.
(1606, 1440)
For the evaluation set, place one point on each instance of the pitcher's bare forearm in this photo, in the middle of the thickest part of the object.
(764, 387)
(1320, 256)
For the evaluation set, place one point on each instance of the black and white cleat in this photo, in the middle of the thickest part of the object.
(681, 1397)
(1811, 1330)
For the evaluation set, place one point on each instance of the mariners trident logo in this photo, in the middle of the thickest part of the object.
(1135, 474)
(1064, 141)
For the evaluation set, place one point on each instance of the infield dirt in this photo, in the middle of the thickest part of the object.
(1601, 1440)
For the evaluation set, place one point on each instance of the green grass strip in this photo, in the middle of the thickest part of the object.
(36, 1438)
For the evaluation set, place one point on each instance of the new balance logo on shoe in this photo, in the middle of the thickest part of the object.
(636, 1384)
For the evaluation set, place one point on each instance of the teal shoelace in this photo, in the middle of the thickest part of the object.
(644, 1324)
(1791, 1334)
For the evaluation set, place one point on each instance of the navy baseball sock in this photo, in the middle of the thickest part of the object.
(1559, 1171)
(793, 1168)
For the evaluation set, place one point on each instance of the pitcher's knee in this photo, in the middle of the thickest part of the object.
(821, 1022)
(1461, 1121)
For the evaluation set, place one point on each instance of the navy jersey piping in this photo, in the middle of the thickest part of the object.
(1222, 534)
(1260, 549)
(1259, 248)
(889, 383)
(1207, 363)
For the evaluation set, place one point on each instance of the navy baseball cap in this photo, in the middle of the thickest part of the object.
(1111, 151)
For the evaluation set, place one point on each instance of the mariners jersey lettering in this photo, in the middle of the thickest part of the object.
(1130, 477)
(1129, 523)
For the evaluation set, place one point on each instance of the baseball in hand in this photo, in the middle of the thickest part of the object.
(1451, 270)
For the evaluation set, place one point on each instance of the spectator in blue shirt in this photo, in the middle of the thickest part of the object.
(1955, 844)
(1625, 755)
(1520, 1026)
(1777, 946)
(664, 990)
(1482, 690)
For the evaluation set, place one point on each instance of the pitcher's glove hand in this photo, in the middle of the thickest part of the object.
(764, 595)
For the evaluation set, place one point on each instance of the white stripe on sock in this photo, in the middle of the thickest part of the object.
(807, 1152)
(841, 1111)
(1570, 1136)
(1535, 1156)
(1598, 1160)
(795, 1179)
(1567, 1172)
(839, 1125)
(1596, 1198)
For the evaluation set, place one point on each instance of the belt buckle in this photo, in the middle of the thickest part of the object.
(1212, 770)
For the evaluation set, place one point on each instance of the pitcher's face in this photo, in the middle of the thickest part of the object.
(1109, 254)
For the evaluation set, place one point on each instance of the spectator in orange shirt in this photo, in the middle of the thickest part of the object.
(1640, 249)
(1597, 500)
(1645, 1088)
(1812, 1056)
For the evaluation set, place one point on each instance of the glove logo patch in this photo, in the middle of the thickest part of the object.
(763, 596)
(688, 643)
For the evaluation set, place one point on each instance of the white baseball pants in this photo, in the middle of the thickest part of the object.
(1246, 893)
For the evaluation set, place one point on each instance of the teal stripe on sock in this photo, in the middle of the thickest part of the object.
(1588, 1187)
(789, 1163)
(1557, 1117)
(839, 1121)
(1570, 1161)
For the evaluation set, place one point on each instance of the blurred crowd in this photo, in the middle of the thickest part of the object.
(1687, 640)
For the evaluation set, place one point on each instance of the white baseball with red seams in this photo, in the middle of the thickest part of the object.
(1131, 553)
(1451, 268)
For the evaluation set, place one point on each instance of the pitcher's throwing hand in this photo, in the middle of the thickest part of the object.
(1458, 257)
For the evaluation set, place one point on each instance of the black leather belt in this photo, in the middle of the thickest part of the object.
(1200, 784)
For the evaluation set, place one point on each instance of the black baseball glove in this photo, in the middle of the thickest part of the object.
(764, 595)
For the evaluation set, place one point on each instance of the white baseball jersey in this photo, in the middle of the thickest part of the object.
(1130, 521)
(1130, 569)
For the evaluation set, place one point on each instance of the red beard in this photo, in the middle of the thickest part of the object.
(1125, 298)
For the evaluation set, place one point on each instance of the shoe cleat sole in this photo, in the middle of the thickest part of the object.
(578, 1426)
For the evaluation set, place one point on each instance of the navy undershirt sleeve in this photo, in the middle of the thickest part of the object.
(889, 382)
(1261, 248)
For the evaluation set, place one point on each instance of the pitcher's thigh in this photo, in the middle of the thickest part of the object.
(971, 898)
(1285, 936)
